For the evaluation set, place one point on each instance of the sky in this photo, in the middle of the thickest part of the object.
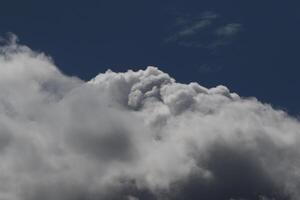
(256, 55)
(149, 100)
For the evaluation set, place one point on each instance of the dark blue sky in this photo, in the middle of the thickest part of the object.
(252, 47)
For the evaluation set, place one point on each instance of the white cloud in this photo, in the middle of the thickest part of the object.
(136, 135)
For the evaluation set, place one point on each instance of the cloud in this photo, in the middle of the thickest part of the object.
(229, 29)
(137, 135)
(207, 30)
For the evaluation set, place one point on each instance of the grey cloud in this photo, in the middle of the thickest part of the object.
(137, 135)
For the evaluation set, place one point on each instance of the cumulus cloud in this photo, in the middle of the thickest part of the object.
(137, 135)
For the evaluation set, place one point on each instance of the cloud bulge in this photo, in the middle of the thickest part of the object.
(137, 135)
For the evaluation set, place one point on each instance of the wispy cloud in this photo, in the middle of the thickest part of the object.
(206, 30)
(229, 29)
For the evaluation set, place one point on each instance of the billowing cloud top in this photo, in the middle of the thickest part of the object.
(137, 135)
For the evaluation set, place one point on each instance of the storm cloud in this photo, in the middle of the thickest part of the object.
(137, 135)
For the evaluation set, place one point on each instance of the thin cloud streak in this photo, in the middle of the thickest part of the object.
(229, 29)
(206, 30)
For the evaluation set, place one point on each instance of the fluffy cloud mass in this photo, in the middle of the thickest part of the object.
(137, 135)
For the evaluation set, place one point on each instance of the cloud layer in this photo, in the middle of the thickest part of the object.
(137, 135)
